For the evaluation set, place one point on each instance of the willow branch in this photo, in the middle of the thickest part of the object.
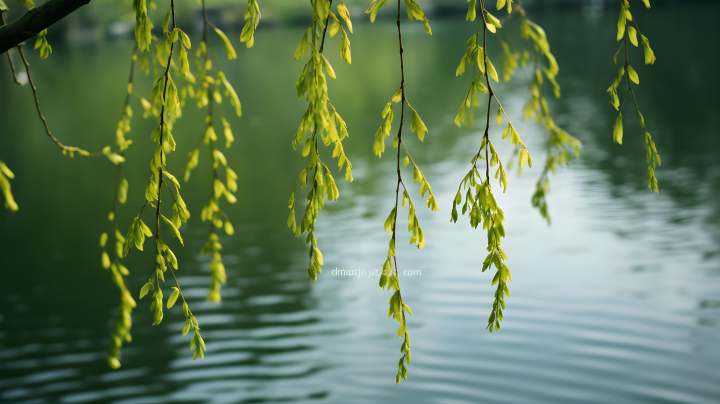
(118, 171)
(162, 117)
(402, 114)
(322, 42)
(71, 149)
(490, 94)
(627, 64)
(35, 20)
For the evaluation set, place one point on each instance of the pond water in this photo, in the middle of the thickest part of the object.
(617, 301)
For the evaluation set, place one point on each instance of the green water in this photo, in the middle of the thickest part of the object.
(617, 301)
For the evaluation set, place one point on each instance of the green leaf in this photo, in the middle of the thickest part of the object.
(166, 21)
(427, 27)
(374, 7)
(172, 100)
(103, 239)
(461, 68)
(252, 19)
(228, 46)
(390, 221)
(143, 29)
(633, 75)
(335, 27)
(417, 125)
(494, 21)
(345, 15)
(185, 66)
(229, 230)
(114, 157)
(618, 130)
(122, 191)
(491, 69)
(328, 68)
(172, 178)
(234, 99)
(173, 298)
(146, 288)
(345, 47)
(302, 46)
(649, 54)
(185, 39)
(621, 24)
(632, 34)
(523, 157)
(318, 256)
(143, 228)
(506, 132)
(471, 14)
(105, 259)
(173, 229)
(460, 117)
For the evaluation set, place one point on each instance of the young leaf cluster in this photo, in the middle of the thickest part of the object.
(252, 19)
(41, 41)
(481, 207)
(143, 26)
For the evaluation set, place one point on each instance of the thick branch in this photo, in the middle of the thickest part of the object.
(35, 20)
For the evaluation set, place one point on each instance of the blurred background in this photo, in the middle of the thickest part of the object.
(617, 301)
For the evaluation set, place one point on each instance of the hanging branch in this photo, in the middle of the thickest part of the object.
(3, 10)
(113, 157)
(560, 142)
(123, 320)
(631, 33)
(388, 277)
(207, 92)
(165, 93)
(312, 84)
(481, 204)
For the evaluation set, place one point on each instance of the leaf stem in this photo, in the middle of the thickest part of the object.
(490, 95)
(322, 42)
(397, 189)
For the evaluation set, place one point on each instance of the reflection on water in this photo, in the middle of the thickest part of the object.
(616, 302)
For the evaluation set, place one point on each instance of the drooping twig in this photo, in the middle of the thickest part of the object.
(71, 149)
(10, 61)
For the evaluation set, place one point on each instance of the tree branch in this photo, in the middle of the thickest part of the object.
(35, 20)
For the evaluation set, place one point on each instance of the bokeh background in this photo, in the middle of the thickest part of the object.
(618, 301)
